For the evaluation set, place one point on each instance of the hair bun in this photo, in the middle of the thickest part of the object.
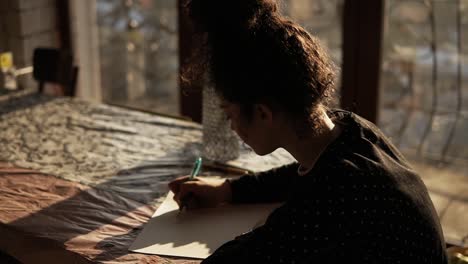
(219, 15)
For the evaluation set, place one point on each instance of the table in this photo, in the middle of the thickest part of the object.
(78, 180)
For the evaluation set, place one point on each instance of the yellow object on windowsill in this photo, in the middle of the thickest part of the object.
(457, 255)
(6, 61)
(8, 71)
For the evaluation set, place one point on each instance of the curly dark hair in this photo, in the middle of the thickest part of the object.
(253, 54)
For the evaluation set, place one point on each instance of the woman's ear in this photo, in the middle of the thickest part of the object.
(264, 113)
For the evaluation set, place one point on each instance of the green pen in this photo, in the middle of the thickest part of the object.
(196, 168)
(193, 174)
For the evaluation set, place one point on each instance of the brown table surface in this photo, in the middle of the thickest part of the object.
(79, 180)
(50, 220)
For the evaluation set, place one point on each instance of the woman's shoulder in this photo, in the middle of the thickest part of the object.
(363, 143)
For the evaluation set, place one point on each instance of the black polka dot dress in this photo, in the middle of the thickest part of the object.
(360, 203)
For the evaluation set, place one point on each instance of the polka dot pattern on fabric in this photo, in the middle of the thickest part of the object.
(360, 203)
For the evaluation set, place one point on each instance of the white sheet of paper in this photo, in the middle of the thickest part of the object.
(196, 233)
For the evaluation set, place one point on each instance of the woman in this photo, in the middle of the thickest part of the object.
(350, 197)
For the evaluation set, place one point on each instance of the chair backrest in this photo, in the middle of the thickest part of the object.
(55, 66)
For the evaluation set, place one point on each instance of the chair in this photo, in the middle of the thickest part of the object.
(55, 66)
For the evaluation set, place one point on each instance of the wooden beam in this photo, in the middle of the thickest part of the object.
(190, 96)
(362, 42)
(64, 24)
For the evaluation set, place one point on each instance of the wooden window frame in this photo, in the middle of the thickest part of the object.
(362, 51)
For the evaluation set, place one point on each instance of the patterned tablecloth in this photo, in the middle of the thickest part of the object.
(78, 180)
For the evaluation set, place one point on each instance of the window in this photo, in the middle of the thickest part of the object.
(139, 53)
(424, 90)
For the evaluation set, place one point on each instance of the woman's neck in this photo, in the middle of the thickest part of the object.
(306, 150)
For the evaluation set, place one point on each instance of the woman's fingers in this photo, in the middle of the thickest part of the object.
(175, 184)
(185, 188)
(198, 192)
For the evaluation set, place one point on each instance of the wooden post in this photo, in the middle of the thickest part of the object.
(362, 42)
(190, 96)
(63, 24)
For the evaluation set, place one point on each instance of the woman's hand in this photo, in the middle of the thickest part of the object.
(199, 193)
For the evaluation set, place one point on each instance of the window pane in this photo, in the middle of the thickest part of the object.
(424, 96)
(138, 53)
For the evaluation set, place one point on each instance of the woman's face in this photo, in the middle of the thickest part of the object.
(257, 132)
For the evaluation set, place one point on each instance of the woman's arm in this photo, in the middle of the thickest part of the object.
(293, 233)
(265, 244)
(269, 186)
